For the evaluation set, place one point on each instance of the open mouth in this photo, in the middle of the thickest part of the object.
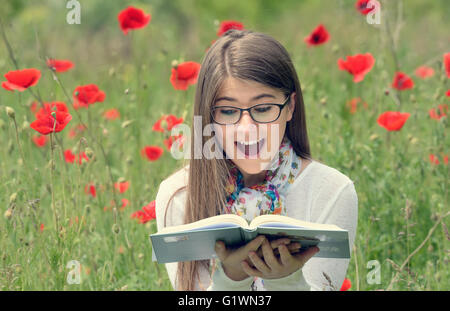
(250, 150)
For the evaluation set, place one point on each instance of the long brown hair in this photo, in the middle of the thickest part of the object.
(246, 55)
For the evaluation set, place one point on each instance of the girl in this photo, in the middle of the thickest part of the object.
(247, 84)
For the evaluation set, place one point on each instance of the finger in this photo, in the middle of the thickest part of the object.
(250, 271)
(254, 244)
(303, 257)
(285, 256)
(276, 243)
(259, 263)
(269, 257)
(292, 247)
(221, 250)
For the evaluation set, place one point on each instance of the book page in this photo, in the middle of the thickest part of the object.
(207, 222)
(265, 219)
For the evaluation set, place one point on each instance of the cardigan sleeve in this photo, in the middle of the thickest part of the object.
(339, 207)
(174, 217)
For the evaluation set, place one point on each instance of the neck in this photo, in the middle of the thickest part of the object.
(253, 179)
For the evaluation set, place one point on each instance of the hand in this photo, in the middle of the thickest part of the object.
(274, 268)
(231, 258)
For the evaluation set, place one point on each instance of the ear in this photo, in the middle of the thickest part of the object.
(291, 106)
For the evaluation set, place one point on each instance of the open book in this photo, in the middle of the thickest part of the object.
(196, 241)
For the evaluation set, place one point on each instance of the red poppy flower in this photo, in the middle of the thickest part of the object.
(402, 81)
(443, 109)
(147, 213)
(358, 65)
(448, 93)
(363, 7)
(152, 153)
(41, 228)
(227, 25)
(90, 189)
(318, 36)
(184, 74)
(447, 64)
(34, 107)
(393, 120)
(346, 285)
(86, 95)
(424, 72)
(45, 121)
(168, 142)
(20, 80)
(132, 18)
(353, 104)
(69, 156)
(433, 159)
(78, 129)
(111, 114)
(40, 140)
(169, 121)
(122, 187)
(446, 159)
(59, 65)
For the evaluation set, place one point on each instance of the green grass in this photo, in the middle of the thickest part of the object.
(390, 170)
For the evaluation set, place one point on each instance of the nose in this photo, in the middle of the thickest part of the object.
(246, 127)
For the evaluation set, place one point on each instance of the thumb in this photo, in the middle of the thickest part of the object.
(220, 250)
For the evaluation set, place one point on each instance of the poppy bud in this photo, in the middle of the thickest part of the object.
(127, 91)
(412, 98)
(8, 213)
(127, 123)
(88, 151)
(53, 114)
(386, 92)
(10, 112)
(335, 48)
(174, 63)
(323, 101)
(13, 198)
(116, 229)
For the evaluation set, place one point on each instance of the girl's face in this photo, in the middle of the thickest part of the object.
(249, 144)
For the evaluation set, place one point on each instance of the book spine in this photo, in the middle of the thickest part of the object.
(248, 234)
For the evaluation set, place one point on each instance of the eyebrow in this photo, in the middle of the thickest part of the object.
(254, 98)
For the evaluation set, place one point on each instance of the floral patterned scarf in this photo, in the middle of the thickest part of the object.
(267, 197)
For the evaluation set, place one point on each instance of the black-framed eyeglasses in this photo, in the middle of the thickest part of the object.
(261, 113)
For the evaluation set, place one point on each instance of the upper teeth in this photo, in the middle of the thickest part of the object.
(249, 142)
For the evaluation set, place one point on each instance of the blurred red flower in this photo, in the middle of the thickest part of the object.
(146, 214)
(447, 64)
(41, 228)
(152, 153)
(402, 81)
(20, 80)
(85, 95)
(34, 107)
(364, 8)
(59, 65)
(318, 36)
(346, 285)
(76, 130)
(352, 105)
(90, 189)
(448, 93)
(111, 114)
(227, 25)
(132, 18)
(122, 186)
(45, 122)
(69, 157)
(169, 121)
(424, 72)
(393, 120)
(443, 109)
(358, 65)
(184, 74)
(40, 140)
(169, 141)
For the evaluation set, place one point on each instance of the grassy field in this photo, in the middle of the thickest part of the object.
(403, 196)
